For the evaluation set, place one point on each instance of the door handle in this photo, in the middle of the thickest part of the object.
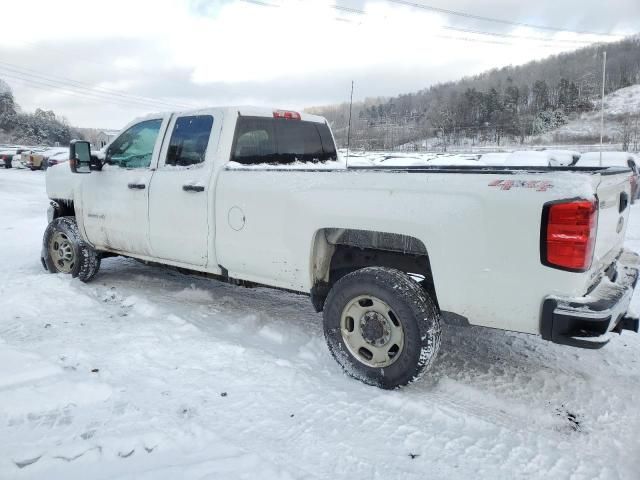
(193, 188)
(137, 186)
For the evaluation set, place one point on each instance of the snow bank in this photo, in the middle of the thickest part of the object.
(609, 159)
(544, 158)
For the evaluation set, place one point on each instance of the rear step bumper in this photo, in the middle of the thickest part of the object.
(590, 321)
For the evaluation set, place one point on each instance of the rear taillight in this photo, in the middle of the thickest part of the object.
(569, 234)
(286, 114)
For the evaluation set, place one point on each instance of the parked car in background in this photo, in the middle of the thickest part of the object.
(11, 156)
(562, 158)
(615, 159)
(542, 158)
(40, 161)
(33, 159)
(6, 156)
(57, 158)
(532, 158)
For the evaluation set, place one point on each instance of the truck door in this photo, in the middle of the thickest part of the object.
(115, 200)
(181, 195)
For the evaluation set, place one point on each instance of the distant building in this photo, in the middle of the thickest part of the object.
(103, 137)
(98, 137)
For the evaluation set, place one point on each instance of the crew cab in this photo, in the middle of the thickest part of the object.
(259, 197)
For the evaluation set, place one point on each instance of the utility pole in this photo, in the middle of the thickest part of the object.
(349, 129)
(604, 71)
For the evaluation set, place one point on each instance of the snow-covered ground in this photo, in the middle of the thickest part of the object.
(148, 373)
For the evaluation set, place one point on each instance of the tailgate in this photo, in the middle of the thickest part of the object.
(614, 205)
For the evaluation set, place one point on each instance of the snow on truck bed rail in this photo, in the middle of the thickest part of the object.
(521, 158)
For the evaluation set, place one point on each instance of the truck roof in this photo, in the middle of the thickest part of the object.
(243, 110)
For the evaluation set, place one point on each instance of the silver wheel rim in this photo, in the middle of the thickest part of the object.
(371, 331)
(61, 252)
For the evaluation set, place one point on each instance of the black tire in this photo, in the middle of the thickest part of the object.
(411, 306)
(87, 260)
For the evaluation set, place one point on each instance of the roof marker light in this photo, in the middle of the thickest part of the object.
(286, 114)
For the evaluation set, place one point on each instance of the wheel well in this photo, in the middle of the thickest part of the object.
(338, 252)
(63, 208)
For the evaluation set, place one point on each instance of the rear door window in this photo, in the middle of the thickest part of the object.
(189, 140)
(281, 141)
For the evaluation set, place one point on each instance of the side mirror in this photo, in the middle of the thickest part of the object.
(80, 156)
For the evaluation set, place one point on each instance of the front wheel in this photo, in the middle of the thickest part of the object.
(381, 327)
(64, 250)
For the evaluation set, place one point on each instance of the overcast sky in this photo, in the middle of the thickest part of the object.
(93, 63)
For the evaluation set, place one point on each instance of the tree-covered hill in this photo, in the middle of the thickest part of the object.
(42, 127)
(514, 104)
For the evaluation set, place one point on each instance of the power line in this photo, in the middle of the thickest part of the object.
(42, 85)
(542, 43)
(475, 32)
(85, 86)
(106, 90)
(262, 4)
(8, 69)
(523, 37)
(457, 29)
(496, 20)
(27, 84)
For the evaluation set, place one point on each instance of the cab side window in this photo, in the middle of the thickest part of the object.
(134, 148)
(279, 141)
(189, 140)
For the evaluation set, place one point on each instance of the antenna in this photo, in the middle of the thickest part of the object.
(349, 128)
(604, 71)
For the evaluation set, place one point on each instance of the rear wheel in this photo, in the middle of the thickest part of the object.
(64, 250)
(381, 327)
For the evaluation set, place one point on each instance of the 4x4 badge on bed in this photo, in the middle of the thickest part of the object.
(538, 185)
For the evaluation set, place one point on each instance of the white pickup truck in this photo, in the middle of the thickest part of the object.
(259, 197)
